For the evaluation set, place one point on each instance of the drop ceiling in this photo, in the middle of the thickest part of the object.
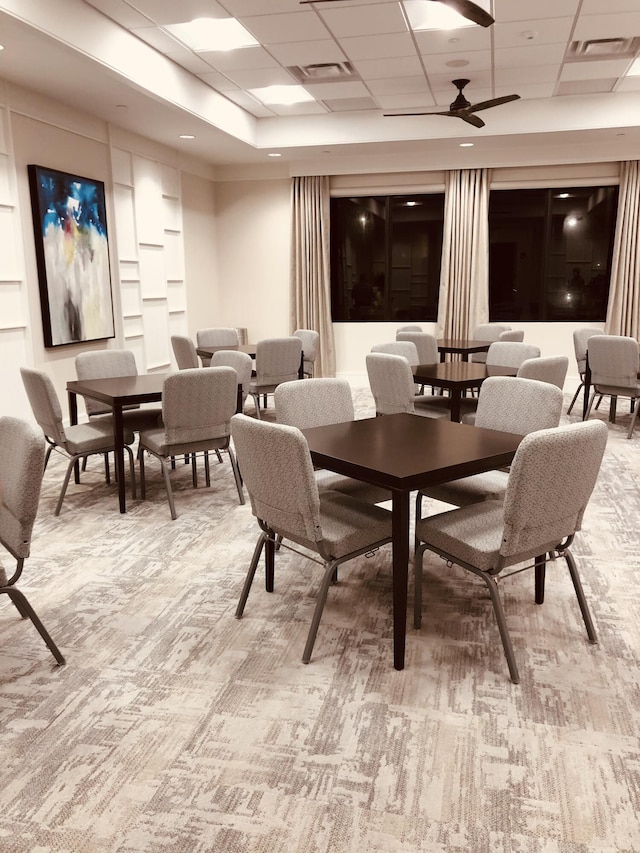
(567, 59)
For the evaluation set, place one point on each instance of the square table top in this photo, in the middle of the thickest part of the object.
(463, 345)
(458, 374)
(143, 388)
(406, 452)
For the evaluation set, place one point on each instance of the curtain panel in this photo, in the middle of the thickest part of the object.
(310, 266)
(464, 273)
(623, 310)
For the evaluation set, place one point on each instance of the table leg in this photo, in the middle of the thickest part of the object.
(400, 533)
(118, 452)
(586, 389)
(73, 419)
(455, 404)
(269, 564)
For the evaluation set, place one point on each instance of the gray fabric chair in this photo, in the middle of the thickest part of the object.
(393, 388)
(614, 362)
(277, 361)
(487, 332)
(305, 404)
(197, 407)
(184, 352)
(511, 353)
(512, 335)
(334, 527)
(508, 404)
(408, 329)
(217, 337)
(552, 369)
(310, 344)
(22, 452)
(425, 344)
(407, 349)
(551, 481)
(77, 441)
(581, 339)
(108, 364)
(241, 363)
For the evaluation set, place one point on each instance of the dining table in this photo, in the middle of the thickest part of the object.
(401, 453)
(461, 346)
(457, 377)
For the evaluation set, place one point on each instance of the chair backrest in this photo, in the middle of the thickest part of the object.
(278, 473)
(487, 332)
(613, 360)
(391, 382)
(104, 365)
(184, 351)
(581, 339)
(407, 349)
(512, 335)
(310, 343)
(277, 360)
(511, 353)
(552, 477)
(426, 345)
(22, 452)
(318, 402)
(408, 329)
(241, 362)
(44, 404)
(197, 405)
(217, 337)
(517, 405)
(551, 369)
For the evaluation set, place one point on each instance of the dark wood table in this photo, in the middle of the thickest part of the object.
(457, 377)
(461, 346)
(403, 453)
(117, 393)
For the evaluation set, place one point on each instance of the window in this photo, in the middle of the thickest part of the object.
(385, 257)
(550, 253)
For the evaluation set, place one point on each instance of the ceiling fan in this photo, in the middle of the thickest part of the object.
(470, 11)
(461, 108)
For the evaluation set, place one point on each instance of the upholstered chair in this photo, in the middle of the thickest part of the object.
(184, 352)
(277, 360)
(581, 338)
(487, 332)
(310, 345)
(217, 337)
(241, 363)
(614, 363)
(393, 389)
(551, 369)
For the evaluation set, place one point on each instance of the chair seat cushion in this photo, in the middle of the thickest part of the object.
(155, 440)
(329, 480)
(617, 391)
(472, 534)
(432, 405)
(488, 486)
(93, 437)
(134, 419)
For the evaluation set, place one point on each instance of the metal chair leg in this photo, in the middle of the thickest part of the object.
(502, 627)
(25, 609)
(317, 613)
(250, 574)
(582, 601)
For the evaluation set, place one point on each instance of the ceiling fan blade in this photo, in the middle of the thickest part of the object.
(446, 113)
(470, 11)
(494, 102)
(470, 119)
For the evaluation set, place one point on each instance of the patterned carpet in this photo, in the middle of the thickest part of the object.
(175, 727)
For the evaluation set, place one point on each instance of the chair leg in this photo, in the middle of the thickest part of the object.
(256, 400)
(582, 601)
(417, 585)
(502, 627)
(132, 471)
(46, 456)
(236, 474)
(219, 455)
(143, 483)
(25, 609)
(194, 471)
(575, 397)
(207, 472)
(593, 396)
(65, 483)
(418, 516)
(317, 613)
(540, 572)
(633, 420)
(167, 483)
(250, 574)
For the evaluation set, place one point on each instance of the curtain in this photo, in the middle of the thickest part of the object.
(623, 310)
(310, 267)
(464, 273)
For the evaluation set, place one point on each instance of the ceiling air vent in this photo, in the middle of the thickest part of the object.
(323, 72)
(613, 48)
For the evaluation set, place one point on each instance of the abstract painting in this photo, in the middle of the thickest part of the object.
(72, 251)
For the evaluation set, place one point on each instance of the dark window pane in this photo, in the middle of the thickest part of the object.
(550, 253)
(385, 257)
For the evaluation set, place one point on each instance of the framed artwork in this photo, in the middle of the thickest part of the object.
(72, 252)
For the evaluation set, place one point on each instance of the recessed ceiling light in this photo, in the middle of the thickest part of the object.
(281, 95)
(204, 34)
(274, 154)
(562, 195)
(187, 136)
(467, 144)
(1, 47)
(426, 15)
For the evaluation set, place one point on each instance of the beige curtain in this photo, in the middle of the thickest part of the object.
(623, 311)
(464, 273)
(310, 267)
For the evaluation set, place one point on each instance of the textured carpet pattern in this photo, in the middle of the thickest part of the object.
(175, 727)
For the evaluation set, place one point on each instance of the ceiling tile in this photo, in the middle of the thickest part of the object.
(256, 78)
(608, 26)
(527, 90)
(364, 20)
(629, 84)
(295, 26)
(594, 70)
(476, 60)
(370, 47)
(547, 54)
(170, 12)
(189, 60)
(525, 10)
(345, 89)
(439, 41)
(120, 12)
(242, 99)
(245, 57)
(218, 81)
(407, 101)
(305, 109)
(544, 31)
(241, 8)
(586, 87)
(375, 69)
(157, 38)
(307, 53)
(594, 7)
(526, 74)
(337, 105)
(398, 85)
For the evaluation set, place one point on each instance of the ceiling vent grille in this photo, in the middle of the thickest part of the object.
(612, 48)
(323, 72)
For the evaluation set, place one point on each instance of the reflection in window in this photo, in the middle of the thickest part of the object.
(550, 253)
(385, 257)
